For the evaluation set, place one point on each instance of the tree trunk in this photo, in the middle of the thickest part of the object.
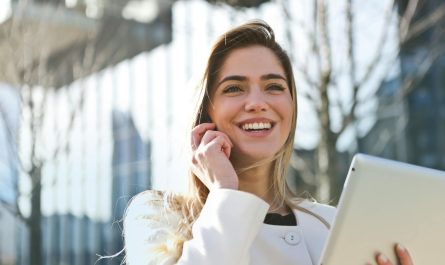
(35, 219)
(323, 189)
(327, 164)
(326, 149)
(335, 180)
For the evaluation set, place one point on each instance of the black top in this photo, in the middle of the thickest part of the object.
(278, 219)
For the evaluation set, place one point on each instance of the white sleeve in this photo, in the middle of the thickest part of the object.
(225, 230)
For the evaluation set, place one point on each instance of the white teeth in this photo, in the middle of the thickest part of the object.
(257, 126)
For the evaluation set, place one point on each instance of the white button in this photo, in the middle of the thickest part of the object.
(292, 238)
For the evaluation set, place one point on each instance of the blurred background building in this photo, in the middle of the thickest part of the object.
(94, 97)
(418, 116)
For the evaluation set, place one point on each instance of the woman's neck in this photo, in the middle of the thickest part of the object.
(258, 181)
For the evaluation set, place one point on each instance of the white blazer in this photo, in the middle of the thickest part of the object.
(229, 231)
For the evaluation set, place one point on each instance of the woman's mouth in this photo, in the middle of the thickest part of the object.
(256, 126)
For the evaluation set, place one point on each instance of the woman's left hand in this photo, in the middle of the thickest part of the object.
(402, 254)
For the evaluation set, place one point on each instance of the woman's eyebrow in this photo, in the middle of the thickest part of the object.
(244, 78)
(273, 76)
(232, 78)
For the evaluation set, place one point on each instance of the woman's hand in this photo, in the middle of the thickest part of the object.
(210, 157)
(402, 255)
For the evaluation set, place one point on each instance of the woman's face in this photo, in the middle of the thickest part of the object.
(252, 104)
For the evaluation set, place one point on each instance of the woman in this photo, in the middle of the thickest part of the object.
(240, 209)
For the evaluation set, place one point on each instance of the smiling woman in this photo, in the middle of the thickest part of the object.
(240, 209)
(252, 104)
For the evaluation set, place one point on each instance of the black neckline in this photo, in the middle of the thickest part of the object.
(278, 219)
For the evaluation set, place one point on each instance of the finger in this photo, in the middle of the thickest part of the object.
(403, 255)
(229, 142)
(220, 142)
(226, 146)
(224, 142)
(382, 259)
(198, 132)
(210, 135)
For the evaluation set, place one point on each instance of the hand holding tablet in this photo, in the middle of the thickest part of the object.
(386, 202)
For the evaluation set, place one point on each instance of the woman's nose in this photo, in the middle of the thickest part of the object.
(255, 101)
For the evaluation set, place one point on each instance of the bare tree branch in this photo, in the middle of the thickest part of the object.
(406, 19)
(351, 44)
(309, 34)
(12, 210)
(348, 116)
(8, 206)
(324, 44)
(426, 23)
(381, 62)
(325, 64)
(312, 85)
(429, 21)
(410, 82)
(304, 68)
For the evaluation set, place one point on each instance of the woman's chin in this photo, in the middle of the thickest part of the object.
(247, 157)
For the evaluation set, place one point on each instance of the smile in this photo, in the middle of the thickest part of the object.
(256, 126)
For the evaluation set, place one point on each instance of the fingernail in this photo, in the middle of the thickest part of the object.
(382, 258)
(400, 248)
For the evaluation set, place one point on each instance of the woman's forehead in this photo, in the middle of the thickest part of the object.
(252, 61)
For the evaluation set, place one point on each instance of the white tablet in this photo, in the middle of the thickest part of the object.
(386, 202)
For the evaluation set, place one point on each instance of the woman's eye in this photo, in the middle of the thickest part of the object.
(276, 87)
(232, 89)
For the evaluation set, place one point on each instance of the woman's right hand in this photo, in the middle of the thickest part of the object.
(404, 258)
(210, 157)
